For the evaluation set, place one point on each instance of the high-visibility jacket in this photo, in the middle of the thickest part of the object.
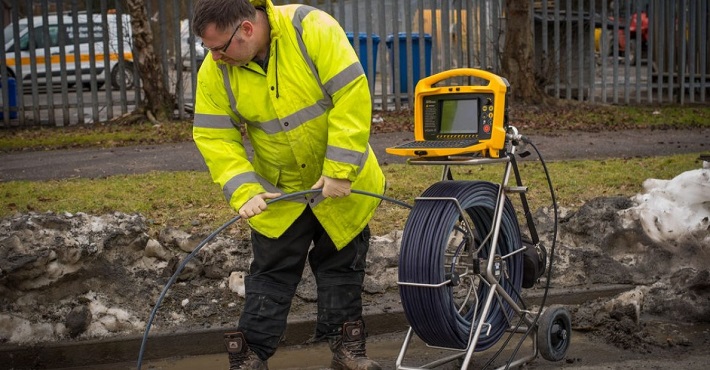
(308, 115)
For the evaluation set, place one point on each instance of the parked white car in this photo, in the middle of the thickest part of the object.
(37, 50)
(186, 46)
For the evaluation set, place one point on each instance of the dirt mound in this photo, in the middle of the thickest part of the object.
(77, 275)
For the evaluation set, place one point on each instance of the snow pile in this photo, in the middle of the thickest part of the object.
(675, 210)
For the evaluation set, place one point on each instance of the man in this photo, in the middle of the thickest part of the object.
(290, 75)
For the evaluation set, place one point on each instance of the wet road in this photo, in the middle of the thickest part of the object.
(585, 352)
(588, 350)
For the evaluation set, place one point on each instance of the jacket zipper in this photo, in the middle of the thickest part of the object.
(276, 66)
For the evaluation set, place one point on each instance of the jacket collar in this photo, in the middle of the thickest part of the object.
(269, 6)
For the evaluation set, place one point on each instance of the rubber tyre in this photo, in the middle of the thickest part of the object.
(126, 79)
(554, 332)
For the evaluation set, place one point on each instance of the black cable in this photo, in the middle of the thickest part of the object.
(553, 198)
(432, 312)
(512, 331)
(192, 254)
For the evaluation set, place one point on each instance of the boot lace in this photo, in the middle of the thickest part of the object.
(244, 360)
(356, 348)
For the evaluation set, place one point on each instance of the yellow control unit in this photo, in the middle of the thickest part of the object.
(458, 120)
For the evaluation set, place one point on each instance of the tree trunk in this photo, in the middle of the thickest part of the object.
(159, 102)
(517, 62)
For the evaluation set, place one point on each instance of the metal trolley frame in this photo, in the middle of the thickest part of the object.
(548, 329)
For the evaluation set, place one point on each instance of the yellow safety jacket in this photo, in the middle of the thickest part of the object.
(308, 115)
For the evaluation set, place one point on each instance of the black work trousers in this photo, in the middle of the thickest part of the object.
(277, 269)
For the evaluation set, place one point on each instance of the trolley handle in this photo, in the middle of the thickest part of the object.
(495, 82)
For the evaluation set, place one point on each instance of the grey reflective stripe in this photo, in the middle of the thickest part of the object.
(230, 93)
(315, 110)
(291, 121)
(304, 115)
(213, 121)
(348, 156)
(270, 127)
(317, 198)
(235, 182)
(345, 77)
(364, 158)
(343, 155)
(245, 178)
(301, 13)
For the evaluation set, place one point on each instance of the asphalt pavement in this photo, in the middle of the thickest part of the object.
(102, 162)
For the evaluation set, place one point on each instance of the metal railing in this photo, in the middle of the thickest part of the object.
(641, 51)
(585, 50)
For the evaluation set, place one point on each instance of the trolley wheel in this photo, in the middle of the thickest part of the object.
(554, 332)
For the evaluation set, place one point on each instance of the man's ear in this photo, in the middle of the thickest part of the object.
(248, 27)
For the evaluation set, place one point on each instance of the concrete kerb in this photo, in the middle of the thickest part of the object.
(210, 341)
(161, 346)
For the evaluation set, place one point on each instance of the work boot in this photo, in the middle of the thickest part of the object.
(240, 356)
(349, 349)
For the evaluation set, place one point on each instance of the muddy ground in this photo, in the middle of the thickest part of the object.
(82, 278)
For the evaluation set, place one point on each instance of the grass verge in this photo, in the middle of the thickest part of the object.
(190, 201)
(565, 116)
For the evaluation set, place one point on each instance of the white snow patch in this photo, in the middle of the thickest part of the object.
(670, 210)
(16, 329)
(236, 283)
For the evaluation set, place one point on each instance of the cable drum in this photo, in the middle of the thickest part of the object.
(433, 312)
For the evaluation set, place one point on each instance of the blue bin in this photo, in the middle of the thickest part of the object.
(362, 52)
(403, 80)
(12, 97)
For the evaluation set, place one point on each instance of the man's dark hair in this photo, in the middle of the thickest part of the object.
(223, 13)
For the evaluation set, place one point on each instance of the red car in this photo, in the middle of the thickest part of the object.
(633, 29)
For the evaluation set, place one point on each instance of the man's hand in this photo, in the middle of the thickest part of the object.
(333, 188)
(256, 205)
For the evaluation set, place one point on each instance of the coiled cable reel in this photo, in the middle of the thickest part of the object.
(443, 293)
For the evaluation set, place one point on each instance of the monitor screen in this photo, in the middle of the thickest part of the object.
(459, 116)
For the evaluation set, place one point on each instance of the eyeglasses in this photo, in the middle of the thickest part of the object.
(223, 49)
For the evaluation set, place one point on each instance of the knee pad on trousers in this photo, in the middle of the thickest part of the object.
(263, 320)
(337, 304)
